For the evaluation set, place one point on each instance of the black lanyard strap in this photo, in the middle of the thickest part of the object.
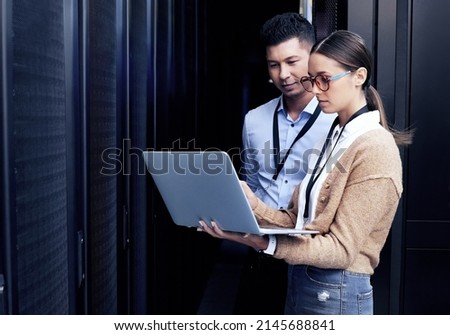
(276, 138)
(315, 175)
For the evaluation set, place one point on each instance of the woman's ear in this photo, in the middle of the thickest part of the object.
(361, 76)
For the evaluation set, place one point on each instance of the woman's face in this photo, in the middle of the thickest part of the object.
(344, 92)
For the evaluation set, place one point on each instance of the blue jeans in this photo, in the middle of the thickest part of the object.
(327, 292)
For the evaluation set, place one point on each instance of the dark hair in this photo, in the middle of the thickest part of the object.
(283, 27)
(350, 50)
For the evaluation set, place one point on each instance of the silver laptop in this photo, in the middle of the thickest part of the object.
(204, 185)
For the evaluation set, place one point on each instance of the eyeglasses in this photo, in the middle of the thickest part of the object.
(321, 81)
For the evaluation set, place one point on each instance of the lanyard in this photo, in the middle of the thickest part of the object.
(276, 138)
(314, 177)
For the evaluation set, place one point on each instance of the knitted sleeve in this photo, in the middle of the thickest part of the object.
(271, 217)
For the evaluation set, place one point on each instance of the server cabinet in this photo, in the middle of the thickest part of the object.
(35, 225)
(63, 100)
(427, 246)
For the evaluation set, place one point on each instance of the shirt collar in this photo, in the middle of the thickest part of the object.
(361, 123)
(310, 107)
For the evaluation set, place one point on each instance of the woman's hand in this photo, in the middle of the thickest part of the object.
(258, 242)
(252, 199)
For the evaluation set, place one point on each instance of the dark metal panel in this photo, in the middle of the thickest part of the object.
(426, 288)
(83, 153)
(329, 16)
(102, 134)
(422, 234)
(428, 204)
(123, 133)
(361, 19)
(387, 278)
(384, 78)
(73, 143)
(140, 35)
(8, 254)
(427, 194)
(40, 156)
(429, 177)
(401, 117)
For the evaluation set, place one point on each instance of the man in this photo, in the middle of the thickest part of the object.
(274, 158)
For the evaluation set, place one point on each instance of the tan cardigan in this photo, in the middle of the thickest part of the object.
(355, 210)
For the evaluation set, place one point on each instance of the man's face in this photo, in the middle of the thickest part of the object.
(287, 62)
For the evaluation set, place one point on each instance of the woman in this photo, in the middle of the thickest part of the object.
(350, 193)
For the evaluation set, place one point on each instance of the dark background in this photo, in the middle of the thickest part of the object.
(84, 78)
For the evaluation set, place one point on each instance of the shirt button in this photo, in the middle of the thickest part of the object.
(322, 199)
(285, 181)
(292, 125)
(327, 185)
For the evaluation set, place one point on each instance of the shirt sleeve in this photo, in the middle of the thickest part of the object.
(250, 166)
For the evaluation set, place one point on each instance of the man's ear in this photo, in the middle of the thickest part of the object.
(361, 76)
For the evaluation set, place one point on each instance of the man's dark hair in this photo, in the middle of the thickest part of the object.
(283, 27)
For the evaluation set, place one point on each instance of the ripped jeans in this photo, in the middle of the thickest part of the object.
(314, 291)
